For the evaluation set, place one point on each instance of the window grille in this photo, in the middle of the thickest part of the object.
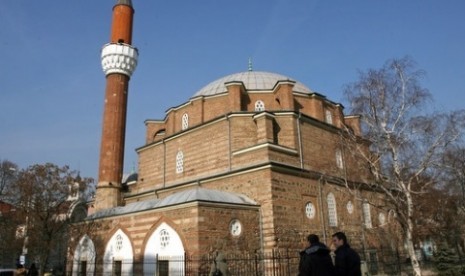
(328, 116)
(179, 162)
(332, 212)
(259, 106)
(367, 215)
(339, 161)
(185, 121)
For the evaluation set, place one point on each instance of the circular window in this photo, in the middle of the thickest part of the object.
(350, 207)
(235, 227)
(310, 210)
(164, 238)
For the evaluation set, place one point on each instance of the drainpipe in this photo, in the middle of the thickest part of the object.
(299, 134)
(320, 202)
(262, 246)
(363, 228)
(229, 141)
(164, 163)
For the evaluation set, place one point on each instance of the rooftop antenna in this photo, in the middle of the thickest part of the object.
(250, 65)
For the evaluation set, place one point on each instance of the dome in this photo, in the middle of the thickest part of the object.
(253, 80)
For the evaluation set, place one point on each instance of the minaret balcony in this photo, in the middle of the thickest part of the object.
(119, 58)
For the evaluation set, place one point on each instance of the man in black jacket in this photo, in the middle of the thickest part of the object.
(315, 259)
(347, 261)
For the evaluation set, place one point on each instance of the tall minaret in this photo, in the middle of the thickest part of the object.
(119, 59)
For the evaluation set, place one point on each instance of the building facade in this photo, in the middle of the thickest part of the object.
(254, 161)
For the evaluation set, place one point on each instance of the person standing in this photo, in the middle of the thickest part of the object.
(347, 261)
(315, 260)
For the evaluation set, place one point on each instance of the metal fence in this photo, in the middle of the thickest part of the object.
(276, 263)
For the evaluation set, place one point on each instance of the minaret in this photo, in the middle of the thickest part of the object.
(119, 59)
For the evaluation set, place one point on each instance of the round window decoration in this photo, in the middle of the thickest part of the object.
(235, 227)
(164, 238)
(350, 207)
(310, 210)
(382, 218)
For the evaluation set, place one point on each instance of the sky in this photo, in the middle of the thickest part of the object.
(52, 85)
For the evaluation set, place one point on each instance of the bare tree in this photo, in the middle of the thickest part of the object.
(8, 219)
(7, 175)
(41, 195)
(407, 142)
(454, 186)
(454, 177)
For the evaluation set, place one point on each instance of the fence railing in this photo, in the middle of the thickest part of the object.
(275, 263)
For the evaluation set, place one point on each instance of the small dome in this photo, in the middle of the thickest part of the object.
(129, 178)
(253, 80)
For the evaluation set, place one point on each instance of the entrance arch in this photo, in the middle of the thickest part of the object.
(118, 257)
(164, 252)
(84, 257)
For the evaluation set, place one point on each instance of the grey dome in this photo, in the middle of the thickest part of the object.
(253, 80)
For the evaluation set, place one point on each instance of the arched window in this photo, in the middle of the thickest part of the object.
(259, 105)
(350, 207)
(185, 121)
(367, 215)
(332, 212)
(391, 215)
(179, 162)
(328, 116)
(382, 219)
(339, 161)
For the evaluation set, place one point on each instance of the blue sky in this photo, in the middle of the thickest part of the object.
(52, 85)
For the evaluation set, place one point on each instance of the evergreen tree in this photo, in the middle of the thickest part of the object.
(446, 262)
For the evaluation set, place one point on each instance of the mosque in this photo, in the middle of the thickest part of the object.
(253, 161)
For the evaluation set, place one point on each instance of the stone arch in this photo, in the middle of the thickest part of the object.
(164, 246)
(84, 257)
(118, 254)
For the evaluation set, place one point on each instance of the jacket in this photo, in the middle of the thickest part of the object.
(316, 261)
(347, 261)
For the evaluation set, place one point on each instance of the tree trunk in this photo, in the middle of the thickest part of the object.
(409, 240)
(413, 257)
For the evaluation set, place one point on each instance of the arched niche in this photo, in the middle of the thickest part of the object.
(84, 257)
(165, 249)
(118, 257)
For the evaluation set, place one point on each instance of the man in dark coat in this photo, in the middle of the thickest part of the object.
(347, 261)
(315, 259)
